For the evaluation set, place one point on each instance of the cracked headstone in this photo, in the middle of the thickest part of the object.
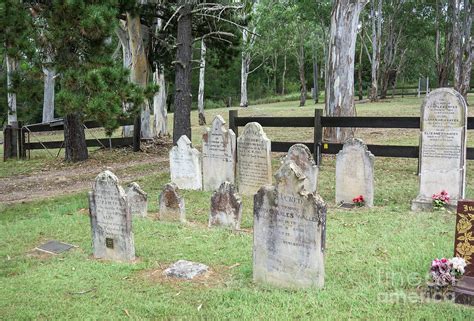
(302, 156)
(354, 173)
(183, 269)
(218, 155)
(185, 165)
(289, 232)
(171, 204)
(111, 220)
(137, 199)
(226, 207)
(254, 168)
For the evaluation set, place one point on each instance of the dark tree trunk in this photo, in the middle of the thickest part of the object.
(315, 77)
(74, 138)
(182, 101)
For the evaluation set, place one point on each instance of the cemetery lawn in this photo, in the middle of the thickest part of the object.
(376, 259)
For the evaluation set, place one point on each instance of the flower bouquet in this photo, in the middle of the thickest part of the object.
(440, 200)
(444, 273)
(358, 201)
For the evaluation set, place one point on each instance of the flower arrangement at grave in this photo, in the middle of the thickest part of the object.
(444, 273)
(440, 200)
(359, 201)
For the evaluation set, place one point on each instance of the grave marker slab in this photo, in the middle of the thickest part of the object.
(302, 156)
(171, 204)
(254, 168)
(218, 155)
(137, 199)
(354, 173)
(111, 220)
(185, 165)
(226, 207)
(289, 232)
(54, 247)
(183, 269)
(442, 160)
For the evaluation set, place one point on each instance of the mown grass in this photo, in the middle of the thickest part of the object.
(376, 259)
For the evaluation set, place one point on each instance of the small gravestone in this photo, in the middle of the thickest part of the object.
(442, 160)
(54, 247)
(226, 207)
(464, 248)
(289, 232)
(111, 220)
(137, 199)
(218, 155)
(354, 173)
(302, 157)
(171, 204)
(185, 165)
(183, 269)
(254, 168)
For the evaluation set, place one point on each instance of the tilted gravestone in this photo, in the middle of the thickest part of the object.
(442, 160)
(111, 220)
(302, 157)
(254, 167)
(185, 165)
(137, 199)
(171, 207)
(354, 173)
(226, 207)
(289, 232)
(218, 155)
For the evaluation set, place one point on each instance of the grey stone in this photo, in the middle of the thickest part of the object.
(254, 167)
(355, 173)
(226, 207)
(171, 204)
(442, 147)
(289, 232)
(111, 220)
(54, 247)
(183, 269)
(302, 156)
(185, 165)
(218, 155)
(137, 199)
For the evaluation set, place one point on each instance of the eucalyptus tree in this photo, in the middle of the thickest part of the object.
(463, 13)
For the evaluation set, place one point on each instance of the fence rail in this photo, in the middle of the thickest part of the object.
(318, 122)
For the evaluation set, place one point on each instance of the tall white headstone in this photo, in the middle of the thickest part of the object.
(218, 155)
(254, 164)
(442, 163)
(302, 156)
(185, 165)
(111, 220)
(289, 232)
(354, 173)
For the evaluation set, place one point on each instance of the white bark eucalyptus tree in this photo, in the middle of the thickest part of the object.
(340, 68)
(376, 17)
(202, 73)
(160, 113)
(248, 41)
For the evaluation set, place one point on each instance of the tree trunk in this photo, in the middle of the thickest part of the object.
(48, 95)
(376, 39)
(359, 71)
(182, 101)
(12, 66)
(275, 67)
(74, 138)
(315, 76)
(202, 72)
(283, 76)
(340, 71)
(463, 46)
(244, 71)
(122, 34)
(139, 67)
(300, 59)
(159, 104)
(443, 60)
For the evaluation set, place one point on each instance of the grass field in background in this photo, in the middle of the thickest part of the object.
(376, 259)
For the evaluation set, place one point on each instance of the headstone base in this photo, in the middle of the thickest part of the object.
(464, 291)
(421, 204)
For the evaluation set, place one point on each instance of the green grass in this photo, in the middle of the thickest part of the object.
(376, 259)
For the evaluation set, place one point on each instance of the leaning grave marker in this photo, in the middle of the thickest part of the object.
(218, 155)
(137, 199)
(111, 219)
(185, 165)
(302, 156)
(442, 160)
(289, 232)
(254, 168)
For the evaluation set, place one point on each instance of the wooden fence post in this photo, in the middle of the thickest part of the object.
(136, 133)
(21, 142)
(7, 142)
(232, 115)
(318, 135)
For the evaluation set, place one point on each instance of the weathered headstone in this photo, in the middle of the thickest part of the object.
(302, 156)
(354, 173)
(137, 199)
(226, 207)
(185, 165)
(171, 204)
(218, 155)
(289, 232)
(442, 160)
(464, 248)
(183, 269)
(254, 168)
(111, 220)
